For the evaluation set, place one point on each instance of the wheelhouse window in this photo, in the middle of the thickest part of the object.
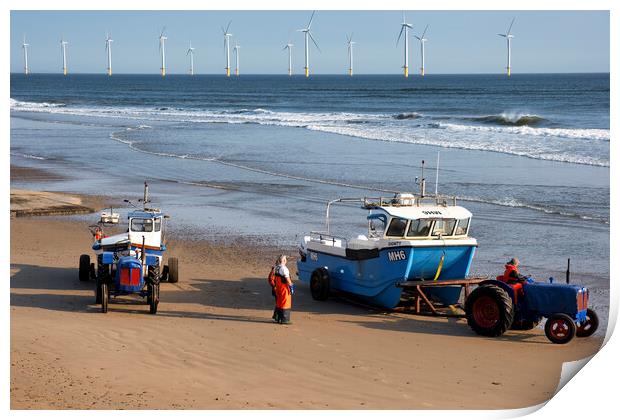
(142, 225)
(461, 227)
(397, 227)
(444, 227)
(158, 224)
(420, 227)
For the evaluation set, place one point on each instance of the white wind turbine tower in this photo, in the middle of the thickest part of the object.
(289, 46)
(190, 52)
(25, 47)
(227, 47)
(236, 50)
(63, 47)
(350, 42)
(162, 50)
(405, 27)
(509, 37)
(108, 48)
(422, 42)
(307, 34)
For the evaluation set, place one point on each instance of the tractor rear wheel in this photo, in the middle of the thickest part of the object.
(589, 326)
(84, 270)
(489, 310)
(173, 270)
(560, 328)
(319, 284)
(104, 297)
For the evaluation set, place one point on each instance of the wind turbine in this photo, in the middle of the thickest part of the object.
(25, 47)
(289, 46)
(63, 47)
(236, 50)
(350, 43)
(190, 52)
(508, 37)
(108, 48)
(405, 27)
(307, 34)
(227, 47)
(422, 41)
(162, 50)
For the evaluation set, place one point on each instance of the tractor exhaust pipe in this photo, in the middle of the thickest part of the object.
(568, 272)
(143, 257)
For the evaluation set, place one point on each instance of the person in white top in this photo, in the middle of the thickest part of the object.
(284, 290)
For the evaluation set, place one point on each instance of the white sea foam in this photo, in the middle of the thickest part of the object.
(572, 145)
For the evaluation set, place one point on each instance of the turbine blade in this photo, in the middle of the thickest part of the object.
(510, 27)
(504, 35)
(418, 37)
(162, 31)
(312, 38)
(311, 17)
(228, 27)
(402, 28)
(424, 33)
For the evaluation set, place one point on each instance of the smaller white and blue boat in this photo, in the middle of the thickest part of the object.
(409, 238)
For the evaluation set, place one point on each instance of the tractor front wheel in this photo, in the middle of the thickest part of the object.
(84, 270)
(489, 310)
(560, 328)
(154, 298)
(104, 297)
(589, 326)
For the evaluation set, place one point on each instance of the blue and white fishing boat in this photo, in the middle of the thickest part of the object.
(409, 238)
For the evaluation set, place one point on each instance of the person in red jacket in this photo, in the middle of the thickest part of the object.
(513, 277)
(511, 274)
(284, 290)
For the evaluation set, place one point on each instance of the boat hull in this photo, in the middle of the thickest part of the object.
(374, 279)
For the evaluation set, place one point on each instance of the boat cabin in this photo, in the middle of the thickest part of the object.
(148, 224)
(418, 222)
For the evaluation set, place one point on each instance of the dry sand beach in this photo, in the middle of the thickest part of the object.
(212, 344)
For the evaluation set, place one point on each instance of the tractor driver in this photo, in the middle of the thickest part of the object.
(513, 277)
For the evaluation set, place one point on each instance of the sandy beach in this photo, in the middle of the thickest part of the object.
(212, 344)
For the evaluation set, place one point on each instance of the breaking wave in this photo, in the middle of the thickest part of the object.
(517, 120)
(503, 133)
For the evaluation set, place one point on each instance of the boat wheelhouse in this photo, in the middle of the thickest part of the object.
(409, 238)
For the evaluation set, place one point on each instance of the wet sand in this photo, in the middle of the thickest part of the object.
(212, 344)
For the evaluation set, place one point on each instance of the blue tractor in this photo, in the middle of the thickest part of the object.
(496, 306)
(131, 263)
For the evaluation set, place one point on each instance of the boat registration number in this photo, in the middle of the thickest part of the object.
(397, 255)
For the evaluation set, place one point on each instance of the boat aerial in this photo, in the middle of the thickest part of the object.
(409, 238)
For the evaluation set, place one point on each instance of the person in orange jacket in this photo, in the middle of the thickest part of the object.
(513, 277)
(284, 290)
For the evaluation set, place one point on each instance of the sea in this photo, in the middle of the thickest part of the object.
(257, 157)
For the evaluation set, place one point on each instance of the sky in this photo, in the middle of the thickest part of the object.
(459, 42)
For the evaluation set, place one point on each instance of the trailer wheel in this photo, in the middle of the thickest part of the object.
(154, 298)
(489, 310)
(560, 328)
(84, 271)
(104, 297)
(589, 326)
(173, 270)
(319, 284)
